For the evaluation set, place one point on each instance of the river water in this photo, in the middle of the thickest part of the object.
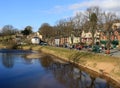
(46, 72)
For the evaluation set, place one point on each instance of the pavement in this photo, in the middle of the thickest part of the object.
(113, 52)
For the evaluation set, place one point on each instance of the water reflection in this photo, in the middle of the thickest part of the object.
(7, 60)
(70, 76)
(27, 61)
(27, 74)
(46, 61)
(8, 57)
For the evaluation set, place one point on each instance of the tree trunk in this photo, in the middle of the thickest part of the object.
(80, 37)
(93, 38)
(108, 44)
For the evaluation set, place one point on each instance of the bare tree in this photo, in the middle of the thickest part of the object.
(94, 16)
(79, 21)
(64, 28)
(8, 30)
(108, 20)
(46, 31)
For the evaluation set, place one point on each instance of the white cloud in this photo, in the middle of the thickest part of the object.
(106, 5)
(110, 4)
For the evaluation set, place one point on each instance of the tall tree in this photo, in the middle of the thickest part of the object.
(94, 16)
(108, 20)
(66, 28)
(93, 23)
(60, 27)
(27, 30)
(46, 31)
(79, 21)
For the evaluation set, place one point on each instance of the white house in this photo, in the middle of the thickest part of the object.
(73, 39)
(35, 40)
(57, 42)
(115, 24)
(86, 37)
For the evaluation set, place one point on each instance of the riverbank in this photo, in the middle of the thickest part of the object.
(106, 66)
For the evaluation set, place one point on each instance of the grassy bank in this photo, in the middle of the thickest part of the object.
(11, 44)
(107, 64)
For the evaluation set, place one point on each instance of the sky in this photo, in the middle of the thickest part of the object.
(21, 13)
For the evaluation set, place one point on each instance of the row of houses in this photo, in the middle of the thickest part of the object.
(85, 37)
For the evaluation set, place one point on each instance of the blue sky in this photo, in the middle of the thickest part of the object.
(21, 13)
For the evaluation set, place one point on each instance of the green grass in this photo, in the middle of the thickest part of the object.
(73, 54)
(76, 56)
(59, 51)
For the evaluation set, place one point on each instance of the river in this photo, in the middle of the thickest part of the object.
(46, 72)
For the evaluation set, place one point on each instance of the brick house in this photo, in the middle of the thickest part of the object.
(87, 37)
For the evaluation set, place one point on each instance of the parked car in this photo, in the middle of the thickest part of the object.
(79, 47)
(96, 49)
(43, 43)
